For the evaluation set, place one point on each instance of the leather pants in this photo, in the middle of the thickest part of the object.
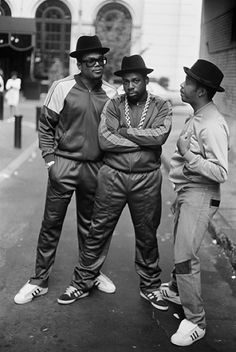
(142, 193)
(65, 177)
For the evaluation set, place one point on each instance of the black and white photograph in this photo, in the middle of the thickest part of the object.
(117, 175)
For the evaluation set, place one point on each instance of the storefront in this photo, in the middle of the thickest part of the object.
(17, 43)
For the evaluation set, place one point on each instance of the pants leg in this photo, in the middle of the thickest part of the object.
(110, 200)
(85, 196)
(195, 207)
(59, 192)
(173, 283)
(144, 202)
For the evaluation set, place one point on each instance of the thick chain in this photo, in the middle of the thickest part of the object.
(144, 112)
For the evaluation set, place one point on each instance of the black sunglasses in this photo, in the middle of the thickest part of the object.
(90, 62)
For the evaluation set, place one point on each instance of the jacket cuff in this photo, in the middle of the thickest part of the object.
(189, 156)
(49, 157)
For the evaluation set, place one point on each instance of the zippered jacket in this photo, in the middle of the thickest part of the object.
(133, 149)
(206, 162)
(70, 118)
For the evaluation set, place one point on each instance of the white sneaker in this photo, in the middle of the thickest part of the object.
(169, 294)
(28, 292)
(187, 333)
(104, 284)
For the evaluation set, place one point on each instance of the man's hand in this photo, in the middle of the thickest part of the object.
(183, 143)
(123, 131)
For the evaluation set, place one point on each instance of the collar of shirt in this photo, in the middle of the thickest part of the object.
(198, 112)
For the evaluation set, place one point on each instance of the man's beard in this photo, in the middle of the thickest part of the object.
(133, 99)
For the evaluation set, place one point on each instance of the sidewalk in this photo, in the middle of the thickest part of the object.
(10, 157)
(223, 227)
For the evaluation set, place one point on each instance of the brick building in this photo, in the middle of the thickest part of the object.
(218, 44)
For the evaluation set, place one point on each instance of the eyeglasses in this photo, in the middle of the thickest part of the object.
(90, 62)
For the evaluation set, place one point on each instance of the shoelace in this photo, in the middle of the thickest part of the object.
(155, 294)
(71, 289)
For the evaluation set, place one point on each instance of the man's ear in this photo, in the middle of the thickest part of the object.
(202, 92)
(79, 65)
(147, 80)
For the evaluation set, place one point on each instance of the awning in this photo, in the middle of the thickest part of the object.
(17, 25)
(17, 32)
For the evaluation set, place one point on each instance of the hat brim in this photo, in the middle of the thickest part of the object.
(90, 50)
(203, 81)
(120, 73)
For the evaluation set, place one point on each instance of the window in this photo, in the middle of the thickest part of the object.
(4, 9)
(53, 29)
(113, 26)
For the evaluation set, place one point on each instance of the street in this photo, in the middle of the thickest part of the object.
(119, 322)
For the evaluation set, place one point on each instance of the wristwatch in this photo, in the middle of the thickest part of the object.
(47, 165)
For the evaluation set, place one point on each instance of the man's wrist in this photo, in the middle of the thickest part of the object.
(188, 156)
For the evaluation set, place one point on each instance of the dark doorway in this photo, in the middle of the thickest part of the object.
(13, 60)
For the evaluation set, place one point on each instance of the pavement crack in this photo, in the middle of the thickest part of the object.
(159, 325)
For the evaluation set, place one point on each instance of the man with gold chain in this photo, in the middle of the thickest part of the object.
(133, 128)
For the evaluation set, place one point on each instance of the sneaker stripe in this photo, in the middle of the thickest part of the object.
(36, 292)
(194, 335)
(165, 294)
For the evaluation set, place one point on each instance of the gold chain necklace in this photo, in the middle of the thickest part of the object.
(144, 112)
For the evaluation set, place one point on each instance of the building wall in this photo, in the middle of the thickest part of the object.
(217, 46)
(171, 36)
(165, 32)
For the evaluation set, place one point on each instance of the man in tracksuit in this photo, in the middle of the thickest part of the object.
(68, 138)
(133, 128)
(198, 167)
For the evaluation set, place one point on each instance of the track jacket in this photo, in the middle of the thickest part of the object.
(206, 162)
(130, 149)
(70, 118)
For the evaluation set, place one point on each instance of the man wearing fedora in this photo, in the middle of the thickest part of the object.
(198, 167)
(132, 130)
(68, 139)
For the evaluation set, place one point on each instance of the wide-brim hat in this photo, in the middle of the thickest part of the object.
(133, 63)
(206, 73)
(87, 44)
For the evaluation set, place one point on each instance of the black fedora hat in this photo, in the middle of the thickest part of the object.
(86, 44)
(133, 63)
(206, 73)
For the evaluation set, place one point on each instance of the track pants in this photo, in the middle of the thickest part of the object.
(65, 177)
(142, 193)
(193, 210)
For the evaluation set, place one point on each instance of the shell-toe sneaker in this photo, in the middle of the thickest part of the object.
(28, 292)
(104, 284)
(169, 294)
(187, 333)
(71, 295)
(155, 298)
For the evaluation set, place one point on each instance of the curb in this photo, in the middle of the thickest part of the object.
(215, 230)
(16, 163)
